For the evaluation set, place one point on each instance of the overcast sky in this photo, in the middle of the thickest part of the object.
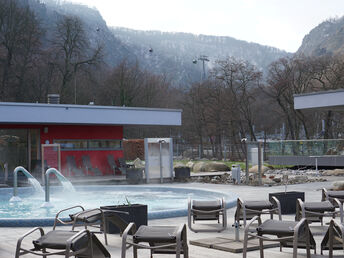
(277, 23)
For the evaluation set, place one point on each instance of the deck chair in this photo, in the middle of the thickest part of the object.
(72, 167)
(333, 239)
(113, 165)
(95, 218)
(207, 210)
(246, 210)
(331, 195)
(86, 161)
(287, 233)
(158, 239)
(316, 211)
(122, 166)
(61, 242)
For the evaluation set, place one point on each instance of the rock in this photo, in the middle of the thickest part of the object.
(210, 167)
(267, 181)
(190, 164)
(335, 172)
(199, 167)
(179, 165)
(138, 163)
(277, 179)
(338, 185)
(254, 169)
(332, 151)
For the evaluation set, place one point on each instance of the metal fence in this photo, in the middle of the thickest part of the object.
(196, 151)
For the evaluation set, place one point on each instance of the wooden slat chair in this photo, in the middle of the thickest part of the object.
(207, 210)
(316, 211)
(246, 210)
(287, 233)
(334, 238)
(158, 239)
(58, 242)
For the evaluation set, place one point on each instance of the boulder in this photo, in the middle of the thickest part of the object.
(254, 169)
(338, 185)
(179, 165)
(138, 163)
(210, 167)
(334, 172)
(190, 164)
(199, 167)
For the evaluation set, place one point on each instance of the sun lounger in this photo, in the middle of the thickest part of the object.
(158, 239)
(61, 242)
(123, 166)
(88, 166)
(246, 210)
(334, 238)
(95, 218)
(288, 233)
(113, 165)
(207, 210)
(331, 195)
(316, 211)
(72, 167)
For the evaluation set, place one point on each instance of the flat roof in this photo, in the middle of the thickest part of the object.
(39, 113)
(322, 100)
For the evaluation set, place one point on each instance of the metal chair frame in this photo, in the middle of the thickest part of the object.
(283, 240)
(244, 211)
(334, 234)
(177, 247)
(222, 212)
(78, 222)
(67, 252)
(314, 216)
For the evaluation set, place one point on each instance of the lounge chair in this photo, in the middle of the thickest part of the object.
(72, 167)
(158, 239)
(123, 166)
(246, 210)
(113, 165)
(207, 210)
(96, 218)
(288, 233)
(333, 239)
(88, 166)
(57, 242)
(316, 211)
(331, 195)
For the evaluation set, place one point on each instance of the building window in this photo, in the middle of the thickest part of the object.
(108, 144)
(72, 144)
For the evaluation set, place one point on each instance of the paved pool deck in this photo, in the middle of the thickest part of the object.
(9, 236)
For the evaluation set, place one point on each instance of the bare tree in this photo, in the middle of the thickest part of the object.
(239, 78)
(72, 52)
(19, 38)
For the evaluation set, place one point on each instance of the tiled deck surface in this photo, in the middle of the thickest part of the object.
(9, 236)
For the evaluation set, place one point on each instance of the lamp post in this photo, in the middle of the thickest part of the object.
(204, 59)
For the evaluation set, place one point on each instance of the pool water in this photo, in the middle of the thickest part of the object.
(160, 200)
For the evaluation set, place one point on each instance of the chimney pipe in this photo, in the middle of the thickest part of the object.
(53, 98)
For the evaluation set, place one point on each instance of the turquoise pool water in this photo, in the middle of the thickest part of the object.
(162, 202)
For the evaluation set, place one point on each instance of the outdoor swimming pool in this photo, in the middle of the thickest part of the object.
(163, 202)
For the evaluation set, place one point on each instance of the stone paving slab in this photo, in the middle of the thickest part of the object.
(229, 244)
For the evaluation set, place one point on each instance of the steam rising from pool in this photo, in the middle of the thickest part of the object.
(157, 199)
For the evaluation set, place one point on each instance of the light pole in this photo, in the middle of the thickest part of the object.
(204, 59)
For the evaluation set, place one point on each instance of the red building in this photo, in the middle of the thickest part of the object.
(91, 132)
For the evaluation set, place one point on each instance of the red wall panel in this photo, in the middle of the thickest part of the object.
(98, 157)
(49, 133)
